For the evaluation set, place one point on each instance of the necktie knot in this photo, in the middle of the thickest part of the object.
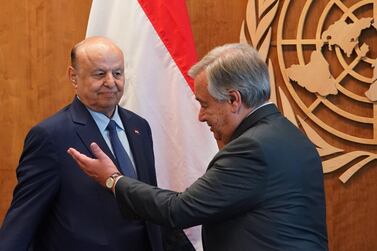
(111, 126)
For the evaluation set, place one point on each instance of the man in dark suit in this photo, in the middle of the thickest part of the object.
(55, 205)
(262, 191)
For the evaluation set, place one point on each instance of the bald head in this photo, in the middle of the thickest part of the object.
(91, 45)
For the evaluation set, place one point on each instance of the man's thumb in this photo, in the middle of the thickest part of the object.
(96, 150)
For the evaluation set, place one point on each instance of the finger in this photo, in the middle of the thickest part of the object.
(76, 155)
(97, 151)
(80, 158)
(106, 163)
(72, 152)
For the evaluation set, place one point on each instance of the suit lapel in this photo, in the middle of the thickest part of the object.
(88, 132)
(87, 129)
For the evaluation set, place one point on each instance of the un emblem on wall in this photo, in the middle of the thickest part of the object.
(328, 60)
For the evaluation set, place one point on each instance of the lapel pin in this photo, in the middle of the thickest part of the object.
(136, 131)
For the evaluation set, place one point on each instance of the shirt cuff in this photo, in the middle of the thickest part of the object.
(115, 183)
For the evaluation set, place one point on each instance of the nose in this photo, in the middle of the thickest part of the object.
(201, 115)
(109, 79)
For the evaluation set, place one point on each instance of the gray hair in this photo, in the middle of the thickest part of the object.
(235, 67)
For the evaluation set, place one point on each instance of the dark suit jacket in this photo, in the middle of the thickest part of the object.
(262, 191)
(56, 206)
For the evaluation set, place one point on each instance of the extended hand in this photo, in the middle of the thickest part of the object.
(99, 169)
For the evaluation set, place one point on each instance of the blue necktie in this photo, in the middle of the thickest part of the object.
(122, 158)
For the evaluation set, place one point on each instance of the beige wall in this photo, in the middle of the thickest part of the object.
(35, 40)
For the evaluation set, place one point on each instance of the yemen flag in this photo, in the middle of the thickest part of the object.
(157, 42)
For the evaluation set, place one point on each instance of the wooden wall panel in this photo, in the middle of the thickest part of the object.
(215, 22)
(35, 39)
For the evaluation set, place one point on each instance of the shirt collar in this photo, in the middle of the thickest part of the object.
(267, 103)
(102, 120)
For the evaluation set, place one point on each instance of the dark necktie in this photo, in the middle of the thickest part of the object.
(122, 158)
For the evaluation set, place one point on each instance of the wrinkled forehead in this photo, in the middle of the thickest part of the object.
(100, 55)
(201, 86)
(201, 80)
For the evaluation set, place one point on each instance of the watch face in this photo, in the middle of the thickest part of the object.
(110, 182)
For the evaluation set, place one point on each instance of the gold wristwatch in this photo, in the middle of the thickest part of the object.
(111, 180)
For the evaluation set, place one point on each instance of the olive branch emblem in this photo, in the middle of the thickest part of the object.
(256, 30)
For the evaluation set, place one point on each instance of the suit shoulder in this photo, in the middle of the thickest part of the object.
(54, 121)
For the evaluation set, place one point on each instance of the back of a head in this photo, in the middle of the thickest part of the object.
(235, 67)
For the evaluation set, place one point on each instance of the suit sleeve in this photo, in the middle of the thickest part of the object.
(38, 182)
(231, 186)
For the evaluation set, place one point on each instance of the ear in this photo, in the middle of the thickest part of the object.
(72, 75)
(235, 100)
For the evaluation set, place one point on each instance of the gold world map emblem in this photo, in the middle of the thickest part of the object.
(327, 57)
(332, 89)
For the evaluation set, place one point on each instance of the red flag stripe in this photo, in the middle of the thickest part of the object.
(171, 22)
